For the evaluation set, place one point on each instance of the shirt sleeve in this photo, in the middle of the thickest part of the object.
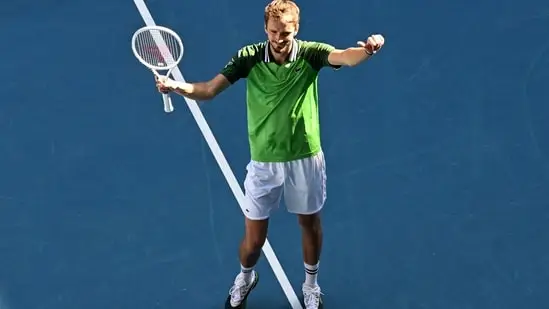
(317, 54)
(240, 64)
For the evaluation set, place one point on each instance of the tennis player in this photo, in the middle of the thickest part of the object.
(284, 136)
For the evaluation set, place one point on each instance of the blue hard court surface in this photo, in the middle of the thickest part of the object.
(437, 149)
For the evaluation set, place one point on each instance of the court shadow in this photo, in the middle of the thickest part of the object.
(268, 304)
(263, 304)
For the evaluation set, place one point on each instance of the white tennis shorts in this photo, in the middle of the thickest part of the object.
(301, 182)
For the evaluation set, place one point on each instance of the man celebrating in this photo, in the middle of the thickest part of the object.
(284, 136)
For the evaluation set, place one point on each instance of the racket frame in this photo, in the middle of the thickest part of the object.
(168, 106)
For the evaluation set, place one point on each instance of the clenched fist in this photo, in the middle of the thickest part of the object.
(164, 84)
(373, 43)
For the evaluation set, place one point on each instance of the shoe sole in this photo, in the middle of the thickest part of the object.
(244, 302)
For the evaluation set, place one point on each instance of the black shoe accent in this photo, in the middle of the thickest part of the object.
(245, 300)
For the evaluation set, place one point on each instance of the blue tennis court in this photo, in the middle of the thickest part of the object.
(437, 153)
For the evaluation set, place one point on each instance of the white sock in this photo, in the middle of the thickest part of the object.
(311, 274)
(246, 273)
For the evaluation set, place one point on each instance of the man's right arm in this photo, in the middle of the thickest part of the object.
(237, 68)
(201, 91)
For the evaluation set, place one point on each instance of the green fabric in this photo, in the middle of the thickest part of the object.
(282, 100)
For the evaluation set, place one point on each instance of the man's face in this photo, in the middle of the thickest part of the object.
(281, 33)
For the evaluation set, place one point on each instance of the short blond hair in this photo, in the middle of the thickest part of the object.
(278, 8)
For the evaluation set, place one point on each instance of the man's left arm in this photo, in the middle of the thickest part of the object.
(355, 55)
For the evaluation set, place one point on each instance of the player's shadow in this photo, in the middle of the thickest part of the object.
(264, 304)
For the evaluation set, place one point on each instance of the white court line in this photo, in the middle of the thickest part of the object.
(225, 168)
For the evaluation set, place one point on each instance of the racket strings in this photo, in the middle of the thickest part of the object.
(158, 48)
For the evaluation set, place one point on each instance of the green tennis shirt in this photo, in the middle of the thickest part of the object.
(282, 100)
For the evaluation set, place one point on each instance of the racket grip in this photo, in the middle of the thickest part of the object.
(168, 107)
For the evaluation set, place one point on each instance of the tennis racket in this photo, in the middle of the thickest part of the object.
(159, 49)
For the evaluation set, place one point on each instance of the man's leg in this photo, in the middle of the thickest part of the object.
(263, 187)
(250, 248)
(311, 239)
(249, 253)
(305, 193)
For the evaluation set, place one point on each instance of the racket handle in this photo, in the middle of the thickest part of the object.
(168, 107)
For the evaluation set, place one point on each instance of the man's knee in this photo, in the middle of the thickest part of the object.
(310, 222)
(256, 234)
